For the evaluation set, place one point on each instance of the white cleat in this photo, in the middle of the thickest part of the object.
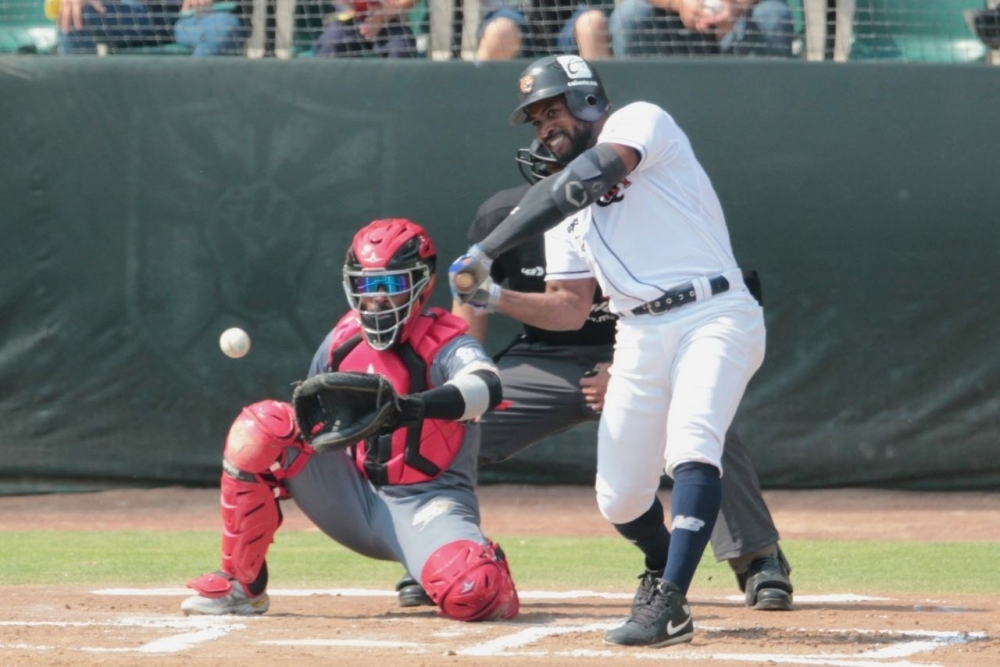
(221, 595)
(233, 603)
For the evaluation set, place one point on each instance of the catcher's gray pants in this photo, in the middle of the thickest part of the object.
(404, 523)
(542, 384)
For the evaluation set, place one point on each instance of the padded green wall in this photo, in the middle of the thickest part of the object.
(148, 203)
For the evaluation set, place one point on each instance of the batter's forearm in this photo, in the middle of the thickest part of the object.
(553, 199)
(535, 214)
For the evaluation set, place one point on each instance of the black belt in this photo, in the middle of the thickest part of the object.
(680, 296)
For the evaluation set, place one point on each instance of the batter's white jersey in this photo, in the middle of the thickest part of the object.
(659, 227)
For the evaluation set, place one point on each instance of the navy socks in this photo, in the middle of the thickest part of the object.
(649, 533)
(695, 502)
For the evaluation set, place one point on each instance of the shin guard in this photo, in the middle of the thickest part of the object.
(256, 462)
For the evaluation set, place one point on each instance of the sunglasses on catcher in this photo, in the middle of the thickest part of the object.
(386, 284)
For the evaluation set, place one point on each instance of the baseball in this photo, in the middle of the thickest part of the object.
(235, 343)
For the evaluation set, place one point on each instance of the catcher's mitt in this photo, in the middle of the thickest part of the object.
(336, 410)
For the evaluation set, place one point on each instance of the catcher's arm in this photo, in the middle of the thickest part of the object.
(464, 397)
(337, 410)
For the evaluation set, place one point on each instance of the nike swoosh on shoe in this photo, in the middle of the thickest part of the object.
(674, 629)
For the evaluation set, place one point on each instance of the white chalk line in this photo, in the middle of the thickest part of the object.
(921, 642)
(196, 630)
(833, 598)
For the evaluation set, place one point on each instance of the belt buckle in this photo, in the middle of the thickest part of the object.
(659, 306)
(672, 299)
(663, 304)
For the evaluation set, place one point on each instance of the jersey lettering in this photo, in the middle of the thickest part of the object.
(614, 195)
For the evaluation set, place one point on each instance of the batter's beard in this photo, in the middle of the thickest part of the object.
(579, 142)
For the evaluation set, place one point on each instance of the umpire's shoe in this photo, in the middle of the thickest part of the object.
(219, 594)
(662, 618)
(411, 593)
(766, 583)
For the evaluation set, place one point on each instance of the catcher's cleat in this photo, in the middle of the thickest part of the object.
(663, 618)
(219, 594)
(411, 593)
(767, 585)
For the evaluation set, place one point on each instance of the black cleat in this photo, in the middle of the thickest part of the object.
(411, 594)
(767, 585)
(661, 618)
(647, 581)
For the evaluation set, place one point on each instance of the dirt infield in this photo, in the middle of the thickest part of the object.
(77, 626)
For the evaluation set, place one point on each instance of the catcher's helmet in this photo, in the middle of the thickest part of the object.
(534, 162)
(392, 260)
(571, 76)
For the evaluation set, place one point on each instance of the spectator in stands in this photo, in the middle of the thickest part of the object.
(829, 25)
(702, 27)
(208, 29)
(543, 27)
(985, 23)
(369, 27)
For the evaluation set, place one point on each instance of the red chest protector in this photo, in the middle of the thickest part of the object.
(408, 455)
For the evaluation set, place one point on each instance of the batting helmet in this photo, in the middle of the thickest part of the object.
(389, 259)
(534, 162)
(571, 76)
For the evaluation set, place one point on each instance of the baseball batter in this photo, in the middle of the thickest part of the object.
(555, 380)
(406, 494)
(634, 212)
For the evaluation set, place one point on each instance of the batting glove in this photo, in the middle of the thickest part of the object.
(486, 298)
(475, 263)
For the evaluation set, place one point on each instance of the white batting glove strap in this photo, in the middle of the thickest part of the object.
(486, 298)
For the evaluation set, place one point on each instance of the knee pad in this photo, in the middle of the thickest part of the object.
(259, 436)
(470, 581)
(254, 467)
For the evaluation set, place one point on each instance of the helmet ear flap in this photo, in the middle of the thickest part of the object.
(586, 106)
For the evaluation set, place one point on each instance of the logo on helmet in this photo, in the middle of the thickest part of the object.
(526, 84)
(575, 67)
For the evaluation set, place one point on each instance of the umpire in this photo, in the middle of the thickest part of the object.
(555, 380)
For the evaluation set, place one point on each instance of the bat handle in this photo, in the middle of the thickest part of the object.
(465, 282)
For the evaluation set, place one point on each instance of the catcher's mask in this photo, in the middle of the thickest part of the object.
(535, 162)
(388, 277)
(571, 76)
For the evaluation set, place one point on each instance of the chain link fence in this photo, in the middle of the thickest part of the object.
(943, 31)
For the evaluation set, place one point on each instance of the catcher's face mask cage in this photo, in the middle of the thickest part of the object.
(388, 277)
(533, 162)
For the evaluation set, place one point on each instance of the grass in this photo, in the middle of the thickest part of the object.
(297, 559)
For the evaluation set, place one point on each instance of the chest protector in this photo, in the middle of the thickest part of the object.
(407, 455)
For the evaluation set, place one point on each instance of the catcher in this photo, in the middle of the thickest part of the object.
(377, 447)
